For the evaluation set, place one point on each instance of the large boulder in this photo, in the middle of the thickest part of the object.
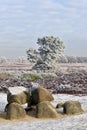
(46, 110)
(20, 98)
(15, 111)
(72, 107)
(41, 94)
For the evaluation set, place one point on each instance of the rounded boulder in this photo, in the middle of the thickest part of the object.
(15, 111)
(41, 94)
(72, 107)
(46, 110)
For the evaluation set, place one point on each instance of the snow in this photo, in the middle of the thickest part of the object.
(77, 122)
(3, 101)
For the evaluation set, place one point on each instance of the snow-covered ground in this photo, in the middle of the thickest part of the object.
(77, 122)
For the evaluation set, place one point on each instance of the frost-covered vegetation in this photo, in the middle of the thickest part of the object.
(49, 50)
(30, 76)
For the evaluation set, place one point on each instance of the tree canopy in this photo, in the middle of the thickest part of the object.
(50, 48)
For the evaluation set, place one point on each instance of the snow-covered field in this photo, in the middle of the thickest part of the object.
(77, 122)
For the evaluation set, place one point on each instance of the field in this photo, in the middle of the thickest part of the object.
(67, 78)
(12, 65)
(68, 82)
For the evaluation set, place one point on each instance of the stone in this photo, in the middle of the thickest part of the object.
(72, 107)
(15, 111)
(39, 95)
(45, 110)
(20, 98)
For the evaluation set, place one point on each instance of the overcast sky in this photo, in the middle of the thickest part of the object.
(23, 21)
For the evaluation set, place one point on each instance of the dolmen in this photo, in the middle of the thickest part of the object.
(35, 96)
(39, 98)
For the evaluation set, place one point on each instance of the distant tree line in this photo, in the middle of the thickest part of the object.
(72, 59)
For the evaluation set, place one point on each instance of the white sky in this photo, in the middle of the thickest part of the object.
(23, 21)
